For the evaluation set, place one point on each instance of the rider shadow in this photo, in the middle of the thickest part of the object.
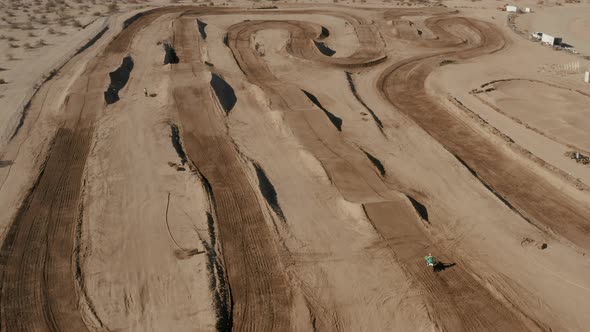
(440, 266)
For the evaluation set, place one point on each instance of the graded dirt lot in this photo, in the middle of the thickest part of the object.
(288, 168)
(556, 111)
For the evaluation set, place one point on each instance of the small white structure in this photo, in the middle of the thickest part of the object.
(537, 35)
(553, 41)
(587, 77)
(512, 9)
(528, 10)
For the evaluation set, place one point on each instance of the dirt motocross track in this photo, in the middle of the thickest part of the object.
(266, 183)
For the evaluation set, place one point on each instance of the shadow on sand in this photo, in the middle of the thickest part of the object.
(440, 266)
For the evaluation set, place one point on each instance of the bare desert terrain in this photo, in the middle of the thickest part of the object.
(287, 166)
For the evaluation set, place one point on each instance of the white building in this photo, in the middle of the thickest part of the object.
(537, 35)
(513, 9)
(550, 39)
(587, 77)
(528, 10)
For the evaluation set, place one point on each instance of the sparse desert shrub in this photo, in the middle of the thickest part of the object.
(51, 31)
(12, 45)
(96, 13)
(12, 39)
(2, 37)
(31, 34)
(2, 81)
(27, 46)
(113, 7)
(40, 43)
(10, 57)
(76, 24)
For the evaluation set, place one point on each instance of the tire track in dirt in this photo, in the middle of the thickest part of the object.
(534, 197)
(38, 287)
(260, 292)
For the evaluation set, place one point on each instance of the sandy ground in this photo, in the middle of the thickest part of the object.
(571, 25)
(553, 110)
(203, 168)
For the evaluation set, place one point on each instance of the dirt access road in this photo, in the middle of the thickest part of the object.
(320, 199)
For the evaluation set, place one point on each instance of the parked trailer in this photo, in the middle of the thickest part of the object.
(553, 41)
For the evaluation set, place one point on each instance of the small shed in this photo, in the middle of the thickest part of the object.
(587, 77)
(513, 9)
(551, 40)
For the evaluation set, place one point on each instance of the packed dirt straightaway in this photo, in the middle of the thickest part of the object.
(312, 218)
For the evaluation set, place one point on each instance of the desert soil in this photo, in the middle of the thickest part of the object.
(289, 167)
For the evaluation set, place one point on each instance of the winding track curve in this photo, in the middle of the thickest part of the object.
(38, 289)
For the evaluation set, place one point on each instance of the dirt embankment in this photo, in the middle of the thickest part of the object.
(37, 274)
(259, 288)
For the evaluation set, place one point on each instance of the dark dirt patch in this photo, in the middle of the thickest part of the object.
(202, 25)
(356, 95)
(226, 40)
(224, 92)
(336, 121)
(5, 163)
(176, 143)
(92, 41)
(420, 208)
(170, 54)
(268, 191)
(21, 121)
(132, 19)
(376, 162)
(119, 79)
(325, 33)
(325, 50)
